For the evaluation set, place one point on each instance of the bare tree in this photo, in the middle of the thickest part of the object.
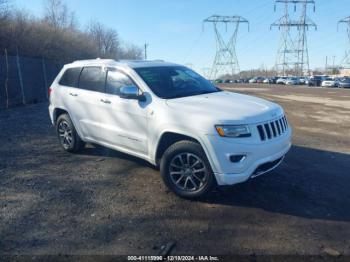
(3, 5)
(56, 37)
(131, 52)
(105, 39)
(58, 15)
(4, 10)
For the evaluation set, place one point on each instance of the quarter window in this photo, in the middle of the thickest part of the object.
(70, 77)
(93, 79)
(115, 81)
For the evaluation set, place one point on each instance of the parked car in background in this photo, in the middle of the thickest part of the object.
(253, 80)
(292, 81)
(281, 80)
(316, 80)
(269, 81)
(274, 80)
(303, 80)
(260, 80)
(330, 82)
(266, 81)
(344, 83)
(170, 116)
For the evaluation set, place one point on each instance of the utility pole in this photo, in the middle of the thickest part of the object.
(146, 46)
(293, 53)
(225, 61)
(346, 60)
(326, 66)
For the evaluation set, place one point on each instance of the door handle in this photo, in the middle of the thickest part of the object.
(105, 101)
(73, 94)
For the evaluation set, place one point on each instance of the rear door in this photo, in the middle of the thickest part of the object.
(89, 101)
(69, 93)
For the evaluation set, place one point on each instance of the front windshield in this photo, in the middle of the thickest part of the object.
(175, 81)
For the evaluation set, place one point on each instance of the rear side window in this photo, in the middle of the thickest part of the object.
(115, 81)
(70, 77)
(93, 79)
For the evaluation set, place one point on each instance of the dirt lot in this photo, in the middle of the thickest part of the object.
(105, 202)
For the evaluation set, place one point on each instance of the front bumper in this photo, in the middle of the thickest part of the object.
(260, 157)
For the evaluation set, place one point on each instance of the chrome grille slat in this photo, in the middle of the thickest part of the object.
(265, 134)
(281, 124)
(284, 125)
(261, 132)
(273, 129)
(267, 130)
(278, 127)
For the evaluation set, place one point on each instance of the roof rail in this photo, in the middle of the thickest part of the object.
(140, 61)
(95, 60)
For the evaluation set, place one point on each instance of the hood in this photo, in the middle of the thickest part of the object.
(227, 107)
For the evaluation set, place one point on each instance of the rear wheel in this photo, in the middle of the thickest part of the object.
(67, 135)
(186, 171)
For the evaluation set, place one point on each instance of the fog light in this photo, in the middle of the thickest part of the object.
(237, 158)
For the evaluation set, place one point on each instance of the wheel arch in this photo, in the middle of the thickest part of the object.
(57, 112)
(169, 137)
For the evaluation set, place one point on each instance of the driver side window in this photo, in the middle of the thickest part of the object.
(115, 81)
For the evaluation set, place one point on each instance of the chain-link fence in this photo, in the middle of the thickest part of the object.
(25, 80)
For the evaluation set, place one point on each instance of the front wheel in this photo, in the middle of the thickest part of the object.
(186, 171)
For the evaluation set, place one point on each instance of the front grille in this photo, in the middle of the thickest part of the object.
(273, 129)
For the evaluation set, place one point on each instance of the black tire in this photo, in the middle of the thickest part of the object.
(69, 139)
(188, 153)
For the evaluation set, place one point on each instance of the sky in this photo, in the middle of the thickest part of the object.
(174, 31)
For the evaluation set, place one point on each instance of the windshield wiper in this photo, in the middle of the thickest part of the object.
(206, 92)
(192, 94)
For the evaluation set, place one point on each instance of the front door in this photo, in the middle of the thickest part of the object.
(123, 121)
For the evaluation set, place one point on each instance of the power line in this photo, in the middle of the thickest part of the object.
(192, 46)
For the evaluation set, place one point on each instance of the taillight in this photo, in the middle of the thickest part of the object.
(49, 91)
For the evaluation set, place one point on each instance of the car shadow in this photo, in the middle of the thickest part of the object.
(103, 152)
(310, 183)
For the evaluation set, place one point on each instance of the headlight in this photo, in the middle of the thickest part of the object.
(233, 130)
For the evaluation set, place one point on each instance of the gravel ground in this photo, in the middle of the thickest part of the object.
(105, 202)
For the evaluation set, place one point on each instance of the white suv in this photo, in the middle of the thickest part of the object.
(167, 114)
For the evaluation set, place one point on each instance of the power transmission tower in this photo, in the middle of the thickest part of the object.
(225, 61)
(346, 60)
(293, 53)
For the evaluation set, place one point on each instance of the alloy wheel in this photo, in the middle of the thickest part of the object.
(65, 134)
(188, 172)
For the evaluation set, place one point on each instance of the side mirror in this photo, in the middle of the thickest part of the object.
(131, 92)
